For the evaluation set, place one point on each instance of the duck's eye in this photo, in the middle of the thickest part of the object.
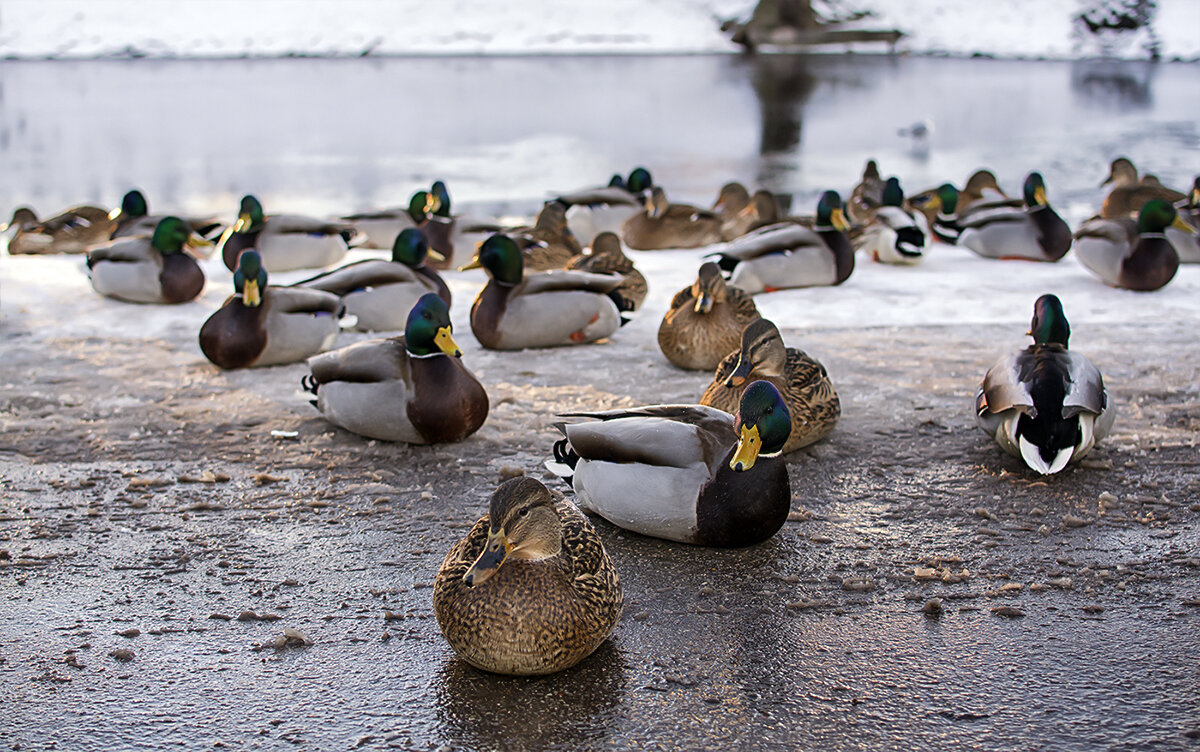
(523, 512)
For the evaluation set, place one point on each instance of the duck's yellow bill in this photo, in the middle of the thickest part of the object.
(704, 303)
(494, 552)
(838, 218)
(195, 241)
(474, 263)
(1180, 224)
(1039, 195)
(114, 213)
(251, 295)
(446, 343)
(434, 254)
(747, 449)
(242, 224)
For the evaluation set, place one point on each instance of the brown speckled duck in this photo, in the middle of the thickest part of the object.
(549, 244)
(72, 231)
(606, 257)
(705, 321)
(1129, 193)
(666, 225)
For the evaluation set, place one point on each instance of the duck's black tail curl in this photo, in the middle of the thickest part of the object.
(310, 384)
(565, 459)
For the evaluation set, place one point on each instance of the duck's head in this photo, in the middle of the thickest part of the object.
(980, 181)
(893, 194)
(411, 247)
(250, 279)
(656, 202)
(441, 198)
(1049, 324)
(762, 424)
(428, 330)
(1121, 173)
(871, 170)
(639, 180)
(23, 218)
(1034, 190)
(171, 234)
(133, 204)
(607, 244)
(552, 218)
(616, 181)
(830, 212)
(946, 197)
(733, 197)
(764, 206)
(709, 287)
(502, 258)
(763, 354)
(250, 215)
(522, 525)
(421, 205)
(1157, 215)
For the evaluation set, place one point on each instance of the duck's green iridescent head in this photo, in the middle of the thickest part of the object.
(420, 206)
(502, 258)
(170, 235)
(639, 180)
(616, 181)
(428, 330)
(829, 212)
(411, 247)
(762, 424)
(1035, 190)
(441, 199)
(134, 204)
(893, 194)
(1157, 215)
(1049, 323)
(250, 215)
(948, 198)
(250, 279)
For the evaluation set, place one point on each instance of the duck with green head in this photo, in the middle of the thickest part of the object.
(72, 231)
(1132, 254)
(381, 293)
(787, 255)
(548, 309)
(705, 321)
(530, 590)
(687, 473)
(1187, 244)
(412, 388)
(133, 218)
(284, 241)
(265, 326)
(1033, 232)
(154, 269)
(1045, 404)
(591, 211)
(893, 233)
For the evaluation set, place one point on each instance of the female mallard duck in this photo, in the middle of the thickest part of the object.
(1129, 193)
(761, 211)
(1187, 244)
(666, 225)
(266, 326)
(606, 257)
(149, 269)
(786, 255)
(381, 293)
(531, 589)
(705, 322)
(412, 388)
(515, 311)
(549, 244)
(811, 400)
(942, 206)
(1033, 232)
(732, 200)
(591, 211)
(1135, 255)
(687, 473)
(894, 234)
(284, 241)
(133, 218)
(866, 196)
(72, 231)
(1045, 404)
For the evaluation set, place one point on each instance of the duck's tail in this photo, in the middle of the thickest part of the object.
(310, 384)
(565, 459)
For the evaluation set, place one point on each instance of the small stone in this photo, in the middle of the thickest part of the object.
(820, 539)
(858, 584)
(508, 472)
(122, 654)
(704, 592)
(131, 632)
(1008, 611)
(266, 479)
(1043, 530)
(1093, 609)
(1071, 520)
(933, 607)
(921, 574)
(985, 514)
(221, 617)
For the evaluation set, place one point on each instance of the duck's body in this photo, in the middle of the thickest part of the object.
(285, 242)
(145, 269)
(1045, 404)
(1033, 232)
(866, 196)
(787, 255)
(687, 473)
(591, 211)
(1130, 193)
(945, 206)
(515, 311)
(606, 257)
(1187, 244)
(549, 244)
(412, 388)
(1132, 254)
(531, 589)
(133, 218)
(894, 234)
(264, 326)
(380, 228)
(812, 402)
(665, 225)
(705, 321)
(73, 231)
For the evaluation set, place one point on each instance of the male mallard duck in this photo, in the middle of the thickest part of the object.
(687, 473)
(787, 255)
(591, 211)
(761, 211)
(945, 205)
(866, 196)
(284, 241)
(666, 225)
(72, 231)
(266, 326)
(811, 400)
(1187, 244)
(133, 218)
(705, 321)
(1033, 232)
(381, 293)
(1132, 254)
(549, 244)
(412, 388)
(940, 207)
(531, 589)
(1045, 404)
(606, 257)
(515, 311)
(1129, 194)
(149, 269)
(894, 234)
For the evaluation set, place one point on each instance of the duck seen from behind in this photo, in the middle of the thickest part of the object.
(705, 321)
(894, 234)
(1033, 232)
(153, 269)
(284, 241)
(1132, 254)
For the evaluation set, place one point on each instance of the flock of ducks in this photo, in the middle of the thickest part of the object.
(531, 589)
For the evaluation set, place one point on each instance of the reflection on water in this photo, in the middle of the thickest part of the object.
(1114, 83)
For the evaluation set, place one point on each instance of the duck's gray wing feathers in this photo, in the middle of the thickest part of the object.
(665, 435)
(363, 362)
(776, 238)
(566, 281)
(357, 276)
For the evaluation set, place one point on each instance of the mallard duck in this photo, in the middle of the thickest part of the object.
(379, 228)
(761, 211)
(866, 196)
(266, 326)
(811, 400)
(940, 207)
(666, 225)
(1187, 244)
(531, 589)
(133, 218)
(606, 257)
(1045, 404)
(72, 231)
(381, 293)
(705, 321)
(943, 206)
(1033, 232)
(1129, 194)
(1132, 254)
(687, 473)
(515, 311)
(412, 388)
(786, 255)
(591, 211)
(894, 234)
(549, 244)
(149, 269)
(284, 241)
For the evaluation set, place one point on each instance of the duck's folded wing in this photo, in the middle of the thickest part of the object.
(363, 362)
(1113, 231)
(776, 238)
(303, 300)
(598, 197)
(664, 435)
(125, 250)
(360, 275)
(1004, 388)
(1086, 390)
(299, 224)
(557, 281)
